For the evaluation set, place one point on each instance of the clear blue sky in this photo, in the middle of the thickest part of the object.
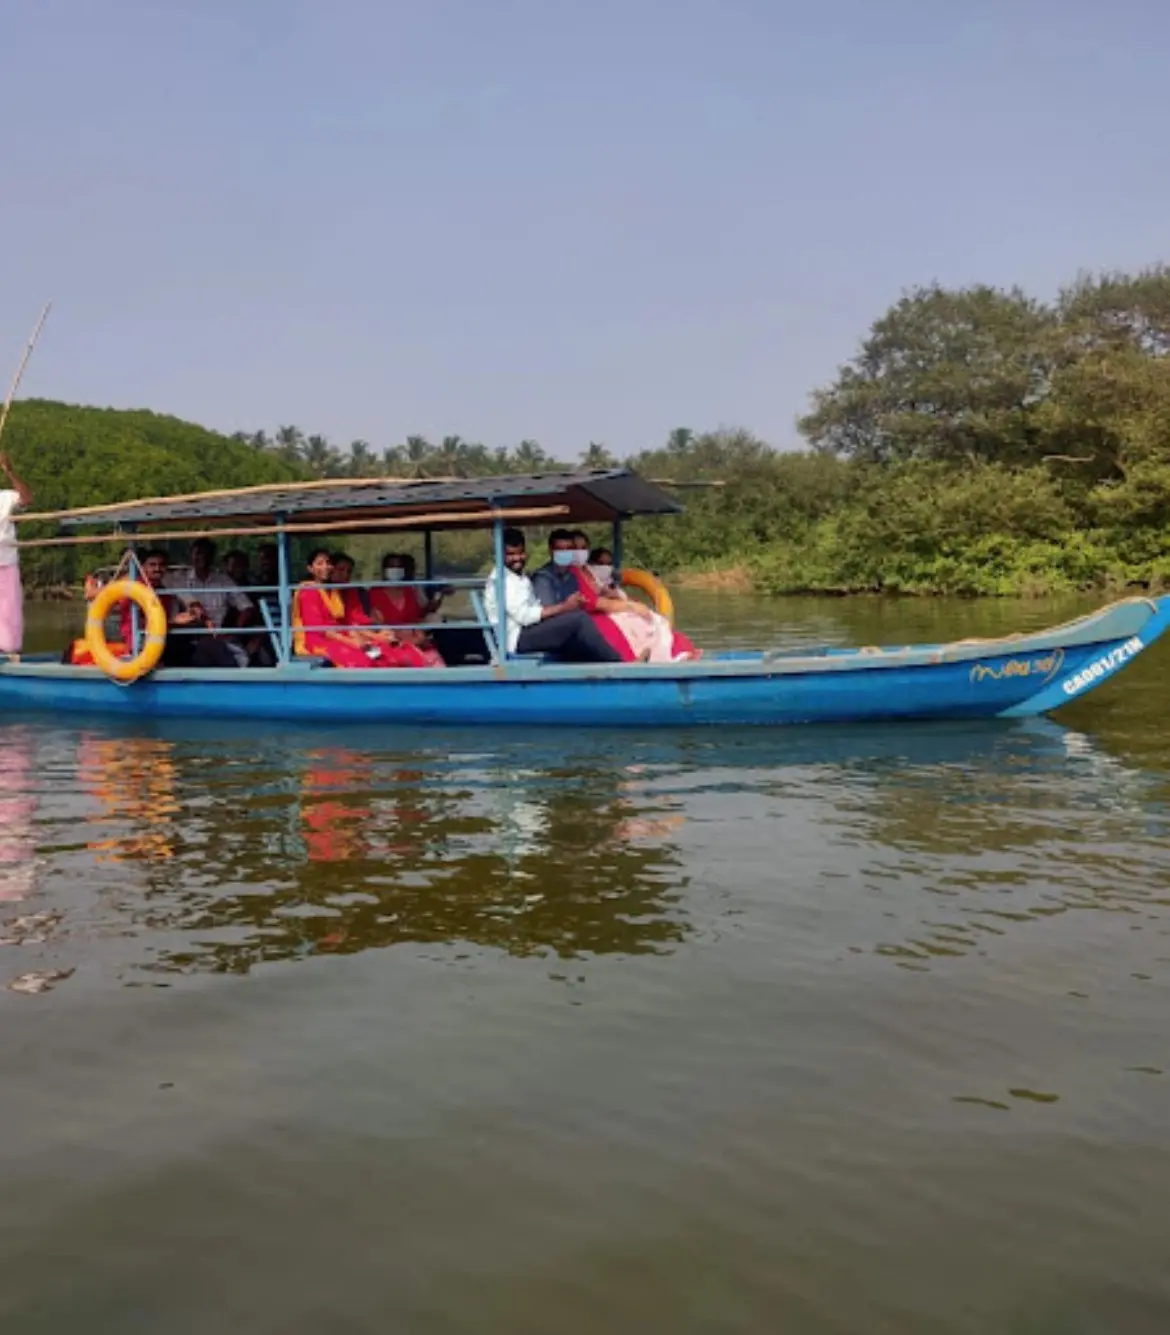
(564, 219)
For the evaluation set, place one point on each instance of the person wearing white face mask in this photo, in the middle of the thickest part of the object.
(404, 607)
(649, 636)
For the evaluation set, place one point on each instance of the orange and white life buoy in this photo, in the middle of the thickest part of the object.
(126, 669)
(654, 588)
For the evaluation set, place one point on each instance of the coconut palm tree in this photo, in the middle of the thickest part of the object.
(290, 443)
(362, 462)
(530, 457)
(450, 459)
(320, 457)
(417, 455)
(597, 457)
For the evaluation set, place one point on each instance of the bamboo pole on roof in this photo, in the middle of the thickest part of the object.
(28, 351)
(260, 489)
(455, 517)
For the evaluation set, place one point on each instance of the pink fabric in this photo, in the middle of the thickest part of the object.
(610, 628)
(11, 610)
(630, 633)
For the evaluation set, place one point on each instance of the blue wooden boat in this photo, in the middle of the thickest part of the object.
(1010, 677)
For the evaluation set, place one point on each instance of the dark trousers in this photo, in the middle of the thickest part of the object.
(460, 644)
(572, 636)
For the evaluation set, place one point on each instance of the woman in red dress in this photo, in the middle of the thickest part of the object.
(319, 615)
(405, 608)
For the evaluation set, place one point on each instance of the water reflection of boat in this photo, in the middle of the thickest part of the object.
(133, 779)
(571, 844)
(17, 809)
(422, 844)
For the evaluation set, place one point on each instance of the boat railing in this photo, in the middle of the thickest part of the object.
(275, 620)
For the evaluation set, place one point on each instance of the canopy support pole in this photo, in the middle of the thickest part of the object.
(134, 571)
(284, 594)
(428, 554)
(501, 627)
(617, 545)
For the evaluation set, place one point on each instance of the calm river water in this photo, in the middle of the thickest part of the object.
(816, 1030)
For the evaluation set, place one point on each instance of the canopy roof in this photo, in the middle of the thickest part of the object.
(579, 497)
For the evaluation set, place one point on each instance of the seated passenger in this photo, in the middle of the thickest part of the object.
(408, 605)
(555, 582)
(77, 651)
(180, 650)
(561, 629)
(406, 608)
(638, 632)
(357, 601)
(320, 622)
(266, 600)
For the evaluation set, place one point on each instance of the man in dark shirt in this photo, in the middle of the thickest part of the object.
(555, 582)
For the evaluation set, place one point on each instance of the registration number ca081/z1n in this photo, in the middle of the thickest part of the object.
(1103, 666)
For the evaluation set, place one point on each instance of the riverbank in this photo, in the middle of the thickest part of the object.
(756, 577)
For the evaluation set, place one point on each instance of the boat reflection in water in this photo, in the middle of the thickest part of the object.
(17, 808)
(132, 781)
(220, 848)
(278, 849)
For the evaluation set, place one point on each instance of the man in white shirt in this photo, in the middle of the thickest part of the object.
(561, 630)
(214, 592)
(12, 497)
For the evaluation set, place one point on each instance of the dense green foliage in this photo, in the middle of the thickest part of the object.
(981, 442)
(72, 456)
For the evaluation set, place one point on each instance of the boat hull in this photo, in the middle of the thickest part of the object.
(1016, 677)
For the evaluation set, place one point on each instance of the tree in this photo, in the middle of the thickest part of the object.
(450, 459)
(530, 457)
(416, 456)
(74, 456)
(362, 462)
(1114, 310)
(290, 443)
(320, 457)
(597, 457)
(948, 375)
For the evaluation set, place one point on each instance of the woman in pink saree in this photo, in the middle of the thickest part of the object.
(636, 631)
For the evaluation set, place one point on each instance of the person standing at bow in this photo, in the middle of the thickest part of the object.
(12, 498)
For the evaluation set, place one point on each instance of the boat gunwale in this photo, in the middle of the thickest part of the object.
(1084, 632)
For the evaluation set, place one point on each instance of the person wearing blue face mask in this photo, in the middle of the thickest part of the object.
(554, 583)
(561, 630)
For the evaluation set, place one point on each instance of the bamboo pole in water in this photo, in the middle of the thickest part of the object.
(351, 524)
(32, 342)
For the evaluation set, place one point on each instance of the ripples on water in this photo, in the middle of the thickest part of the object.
(733, 1030)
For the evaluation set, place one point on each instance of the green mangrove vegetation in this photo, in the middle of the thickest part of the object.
(980, 441)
